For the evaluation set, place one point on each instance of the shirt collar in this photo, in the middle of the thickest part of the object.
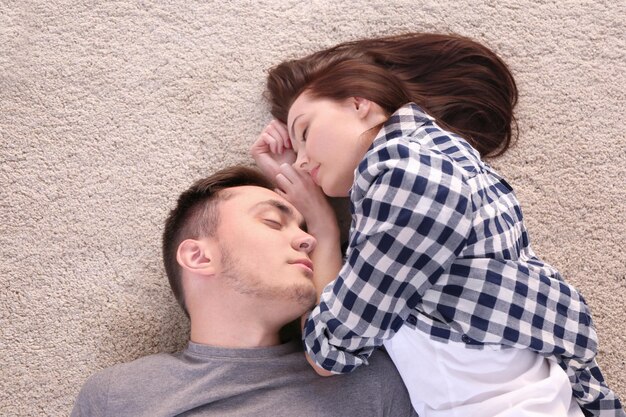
(403, 122)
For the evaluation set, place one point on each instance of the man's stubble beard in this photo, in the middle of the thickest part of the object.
(247, 283)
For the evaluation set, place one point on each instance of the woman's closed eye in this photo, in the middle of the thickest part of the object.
(304, 133)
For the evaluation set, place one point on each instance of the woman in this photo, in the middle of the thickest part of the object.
(439, 267)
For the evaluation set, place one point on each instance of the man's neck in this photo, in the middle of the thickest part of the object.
(239, 334)
(238, 320)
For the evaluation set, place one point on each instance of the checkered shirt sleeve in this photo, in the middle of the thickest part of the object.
(423, 251)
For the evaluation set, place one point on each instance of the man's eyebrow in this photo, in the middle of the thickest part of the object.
(292, 133)
(283, 208)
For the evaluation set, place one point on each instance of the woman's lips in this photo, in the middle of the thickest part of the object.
(313, 174)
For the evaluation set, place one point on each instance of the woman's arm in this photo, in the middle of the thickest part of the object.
(273, 154)
(300, 190)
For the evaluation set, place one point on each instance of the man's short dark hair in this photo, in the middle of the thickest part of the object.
(196, 216)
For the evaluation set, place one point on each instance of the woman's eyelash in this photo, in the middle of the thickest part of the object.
(304, 134)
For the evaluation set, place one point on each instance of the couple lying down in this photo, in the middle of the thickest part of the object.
(437, 269)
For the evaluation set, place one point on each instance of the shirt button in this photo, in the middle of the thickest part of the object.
(412, 320)
(465, 338)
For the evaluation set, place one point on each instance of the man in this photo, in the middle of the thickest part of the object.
(238, 261)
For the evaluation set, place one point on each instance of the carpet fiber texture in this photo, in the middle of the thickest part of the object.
(109, 109)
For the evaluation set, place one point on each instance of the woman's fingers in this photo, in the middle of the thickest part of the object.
(290, 173)
(274, 138)
(281, 128)
(278, 132)
(272, 149)
(283, 183)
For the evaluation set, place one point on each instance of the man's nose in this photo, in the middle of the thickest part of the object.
(305, 243)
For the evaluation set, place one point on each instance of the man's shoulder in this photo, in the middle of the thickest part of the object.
(372, 389)
(128, 377)
(140, 368)
(222, 382)
(393, 392)
(379, 370)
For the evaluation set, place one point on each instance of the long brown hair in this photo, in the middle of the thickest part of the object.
(463, 84)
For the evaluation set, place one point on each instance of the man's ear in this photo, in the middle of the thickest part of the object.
(197, 257)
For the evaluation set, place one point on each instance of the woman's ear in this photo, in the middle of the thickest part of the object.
(197, 257)
(368, 110)
(364, 107)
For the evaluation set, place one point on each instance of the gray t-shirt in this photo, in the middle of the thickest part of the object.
(209, 381)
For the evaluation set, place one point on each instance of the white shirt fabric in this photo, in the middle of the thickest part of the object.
(451, 380)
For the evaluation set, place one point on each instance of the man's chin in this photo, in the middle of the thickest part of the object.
(302, 305)
(306, 297)
(303, 297)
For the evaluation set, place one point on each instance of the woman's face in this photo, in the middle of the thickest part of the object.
(329, 138)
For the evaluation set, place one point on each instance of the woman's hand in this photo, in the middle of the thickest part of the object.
(273, 149)
(299, 189)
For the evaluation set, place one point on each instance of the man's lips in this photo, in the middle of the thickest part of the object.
(305, 263)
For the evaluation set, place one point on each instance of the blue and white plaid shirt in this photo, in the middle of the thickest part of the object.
(437, 242)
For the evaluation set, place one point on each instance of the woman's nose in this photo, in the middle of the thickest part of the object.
(305, 243)
(301, 161)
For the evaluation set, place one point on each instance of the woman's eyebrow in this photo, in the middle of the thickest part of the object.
(292, 132)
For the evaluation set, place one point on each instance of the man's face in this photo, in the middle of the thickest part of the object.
(264, 251)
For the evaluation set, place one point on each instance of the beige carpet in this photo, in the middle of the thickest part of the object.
(108, 109)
